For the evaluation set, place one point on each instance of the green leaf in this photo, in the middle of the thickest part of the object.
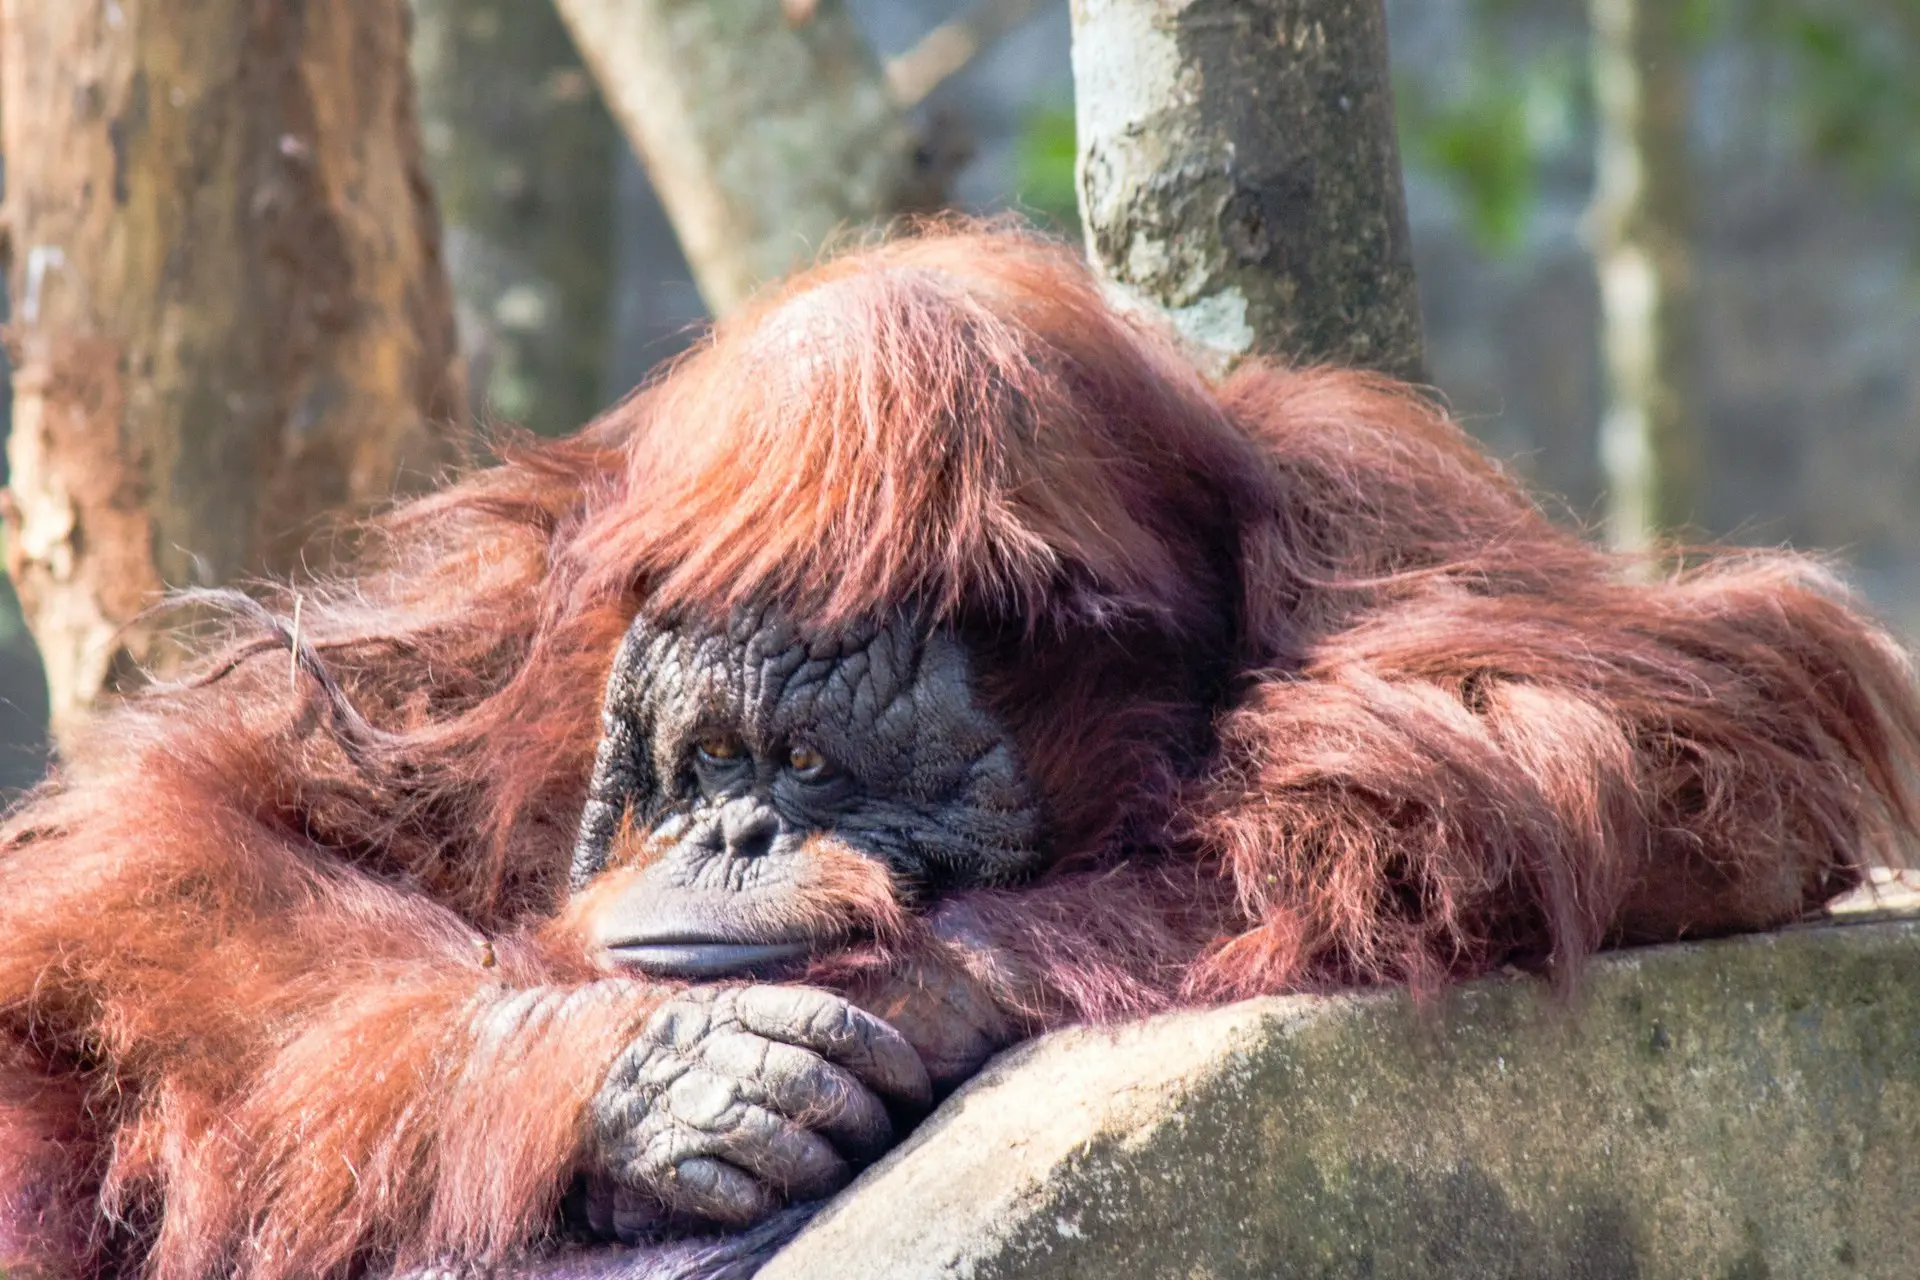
(1044, 183)
(1482, 146)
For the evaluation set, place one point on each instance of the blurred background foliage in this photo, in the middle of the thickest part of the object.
(521, 151)
(1489, 141)
(1849, 71)
(1856, 91)
(1043, 182)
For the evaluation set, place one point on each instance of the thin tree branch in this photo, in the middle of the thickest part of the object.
(766, 128)
(945, 50)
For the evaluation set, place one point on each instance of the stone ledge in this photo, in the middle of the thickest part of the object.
(1742, 1109)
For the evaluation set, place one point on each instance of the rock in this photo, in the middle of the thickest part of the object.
(1741, 1109)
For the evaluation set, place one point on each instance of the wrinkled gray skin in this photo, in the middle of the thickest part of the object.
(933, 787)
(735, 1099)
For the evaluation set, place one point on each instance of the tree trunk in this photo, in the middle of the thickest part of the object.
(1649, 452)
(1238, 169)
(23, 709)
(230, 316)
(522, 153)
(764, 134)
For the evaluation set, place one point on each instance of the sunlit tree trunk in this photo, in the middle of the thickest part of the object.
(1238, 169)
(1649, 447)
(523, 155)
(230, 314)
(23, 712)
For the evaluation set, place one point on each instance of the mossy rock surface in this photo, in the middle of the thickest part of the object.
(1738, 1109)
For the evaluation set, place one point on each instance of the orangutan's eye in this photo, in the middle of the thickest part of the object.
(807, 764)
(718, 748)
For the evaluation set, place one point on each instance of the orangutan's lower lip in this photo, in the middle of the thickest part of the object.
(704, 959)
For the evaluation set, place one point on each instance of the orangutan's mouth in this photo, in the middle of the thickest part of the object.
(684, 957)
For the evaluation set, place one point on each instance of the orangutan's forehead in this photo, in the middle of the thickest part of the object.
(761, 672)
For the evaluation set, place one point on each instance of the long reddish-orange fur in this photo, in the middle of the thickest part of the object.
(1312, 692)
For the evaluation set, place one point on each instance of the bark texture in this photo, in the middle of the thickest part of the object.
(523, 156)
(1648, 448)
(764, 133)
(230, 315)
(1238, 169)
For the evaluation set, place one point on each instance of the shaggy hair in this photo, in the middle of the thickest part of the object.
(1313, 694)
